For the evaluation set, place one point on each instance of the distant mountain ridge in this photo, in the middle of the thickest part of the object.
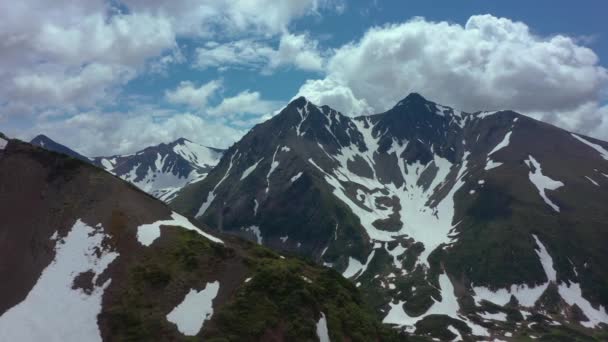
(160, 170)
(163, 169)
(453, 223)
(51, 145)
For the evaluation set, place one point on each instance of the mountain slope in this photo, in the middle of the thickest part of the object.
(163, 169)
(86, 256)
(475, 217)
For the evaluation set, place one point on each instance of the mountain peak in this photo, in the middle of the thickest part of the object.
(298, 102)
(181, 141)
(45, 142)
(41, 137)
(412, 98)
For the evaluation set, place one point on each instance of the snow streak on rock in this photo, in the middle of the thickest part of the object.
(250, 169)
(603, 152)
(542, 182)
(211, 195)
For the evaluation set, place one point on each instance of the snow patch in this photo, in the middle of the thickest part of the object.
(250, 169)
(256, 232)
(296, 177)
(107, 164)
(322, 331)
(255, 207)
(504, 143)
(484, 115)
(447, 306)
(490, 164)
(196, 308)
(356, 268)
(198, 154)
(148, 233)
(36, 318)
(500, 316)
(455, 332)
(542, 182)
(572, 294)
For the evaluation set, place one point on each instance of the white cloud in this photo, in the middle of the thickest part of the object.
(336, 95)
(98, 133)
(231, 109)
(590, 118)
(245, 102)
(245, 53)
(66, 41)
(189, 94)
(83, 86)
(489, 63)
(297, 50)
(234, 17)
(73, 54)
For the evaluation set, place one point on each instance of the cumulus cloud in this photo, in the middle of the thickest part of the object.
(234, 107)
(489, 63)
(245, 102)
(336, 95)
(297, 50)
(187, 93)
(83, 86)
(67, 41)
(70, 54)
(590, 118)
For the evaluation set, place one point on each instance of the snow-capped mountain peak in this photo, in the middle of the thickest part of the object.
(163, 169)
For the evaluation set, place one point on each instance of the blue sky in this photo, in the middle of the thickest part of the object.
(114, 77)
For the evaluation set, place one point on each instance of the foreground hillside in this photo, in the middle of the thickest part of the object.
(489, 225)
(85, 256)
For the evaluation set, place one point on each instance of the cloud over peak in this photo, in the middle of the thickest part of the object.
(489, 63)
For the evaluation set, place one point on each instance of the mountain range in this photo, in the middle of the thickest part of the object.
(451, 225)
(486, 224)
(159, 170)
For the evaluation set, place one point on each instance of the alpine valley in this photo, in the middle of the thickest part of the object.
(420, 223)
